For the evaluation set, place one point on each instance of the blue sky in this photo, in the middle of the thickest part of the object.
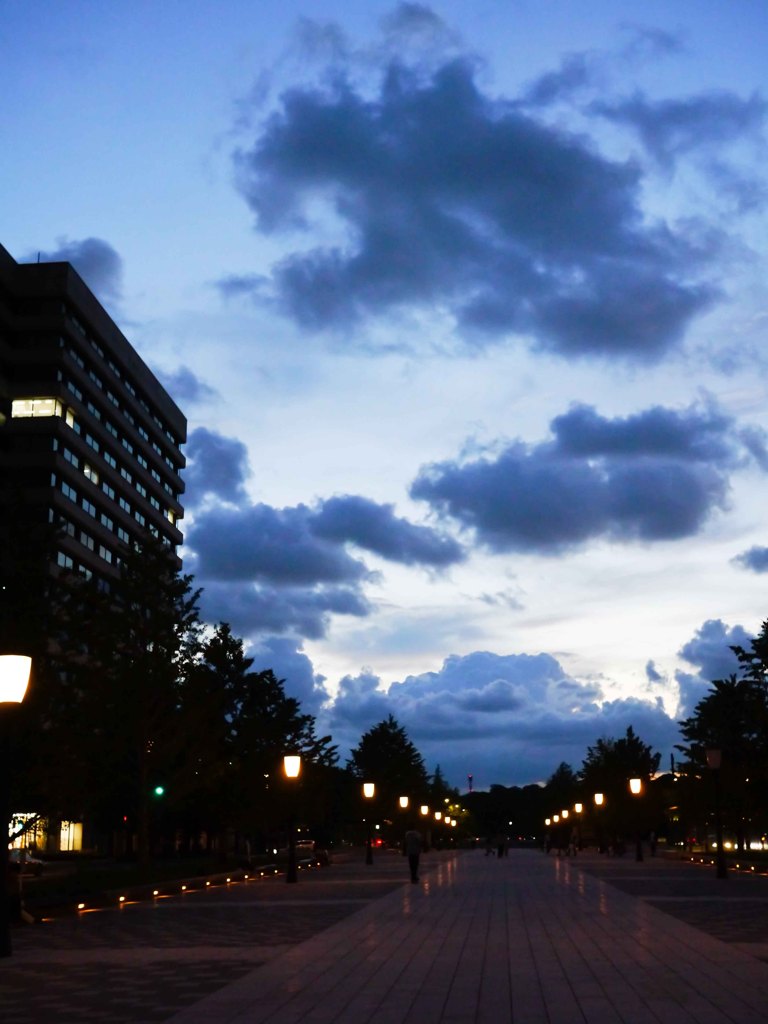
(466, 306)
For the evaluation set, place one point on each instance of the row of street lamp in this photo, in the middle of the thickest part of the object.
(292, 769)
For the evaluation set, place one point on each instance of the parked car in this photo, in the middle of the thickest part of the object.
(28, 862)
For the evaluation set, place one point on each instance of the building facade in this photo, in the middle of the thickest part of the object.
(89, 438)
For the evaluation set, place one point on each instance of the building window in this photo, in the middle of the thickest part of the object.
(75, 390)
(71, 458)
(68, 492)
(123, 535)
(141, 489)
(86, 540)
(105, 553)
(88, 507)
(126, 444)
(111, 428)
(126, 475)
(106, 521)
(125, 505)
(139, 518)
(90, 473)
(108, 490)
(64, 560)
(91, 441)
(93, 411)
(110, 460)
(33, 407)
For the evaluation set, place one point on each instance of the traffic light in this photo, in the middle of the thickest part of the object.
(159, 790)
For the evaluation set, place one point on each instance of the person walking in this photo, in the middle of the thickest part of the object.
(412, 849)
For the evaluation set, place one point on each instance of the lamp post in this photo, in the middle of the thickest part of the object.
(14, 678)
(714, 762)
(292, 768)
(599, 799)
(369, 788)
(636, 788)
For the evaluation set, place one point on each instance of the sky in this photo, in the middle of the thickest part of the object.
(466, 305)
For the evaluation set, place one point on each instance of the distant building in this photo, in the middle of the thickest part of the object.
(89, 438)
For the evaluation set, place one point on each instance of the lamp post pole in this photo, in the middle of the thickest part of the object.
(292, 767)
(14, 678)
(714, 762)
(636, 788)
(369, 789)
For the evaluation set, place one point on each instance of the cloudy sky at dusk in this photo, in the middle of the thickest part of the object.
(467, 307)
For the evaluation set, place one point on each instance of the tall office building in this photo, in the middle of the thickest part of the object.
(89, 438)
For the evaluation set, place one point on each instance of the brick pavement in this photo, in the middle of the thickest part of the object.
(528, 939)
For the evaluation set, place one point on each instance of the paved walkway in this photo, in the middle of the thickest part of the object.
(526, 939)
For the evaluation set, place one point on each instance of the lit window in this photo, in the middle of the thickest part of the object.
(91, 473)
(170, 515)
(32, 407)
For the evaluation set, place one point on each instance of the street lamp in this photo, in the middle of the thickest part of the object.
(404, 803)
(424, 810)
(636, 788)
(369, 788)
(292, 767)
(714, 762)
(14, 679)
(599, 799)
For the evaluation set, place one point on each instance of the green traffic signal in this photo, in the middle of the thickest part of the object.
(159, 790)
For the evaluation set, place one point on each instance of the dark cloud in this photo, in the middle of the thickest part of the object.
(755, 559)
(234, 285)
(186, 387)
(670, 129)
(576, 72)
(656, 475)
(289, 662)
(709, 651)
(265, 544)
(507, 719)
(652, 673)
(449, 197)
(376, 528)
(96, 261)
(300, 611)
(217, 466)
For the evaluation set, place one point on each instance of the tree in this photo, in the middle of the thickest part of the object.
(607, 768)
(115, 712)
(386, 756)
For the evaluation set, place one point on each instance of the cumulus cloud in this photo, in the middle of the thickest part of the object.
(709, 651)
(289, 662)
(505, 718)
(376, 528)
(755, 559)
(271, 545)
(288, 570)
(217, 466)
(97, 262)
(254, 609)
(186, 387)
(655, 475)
(671, 128)
(448, 197)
